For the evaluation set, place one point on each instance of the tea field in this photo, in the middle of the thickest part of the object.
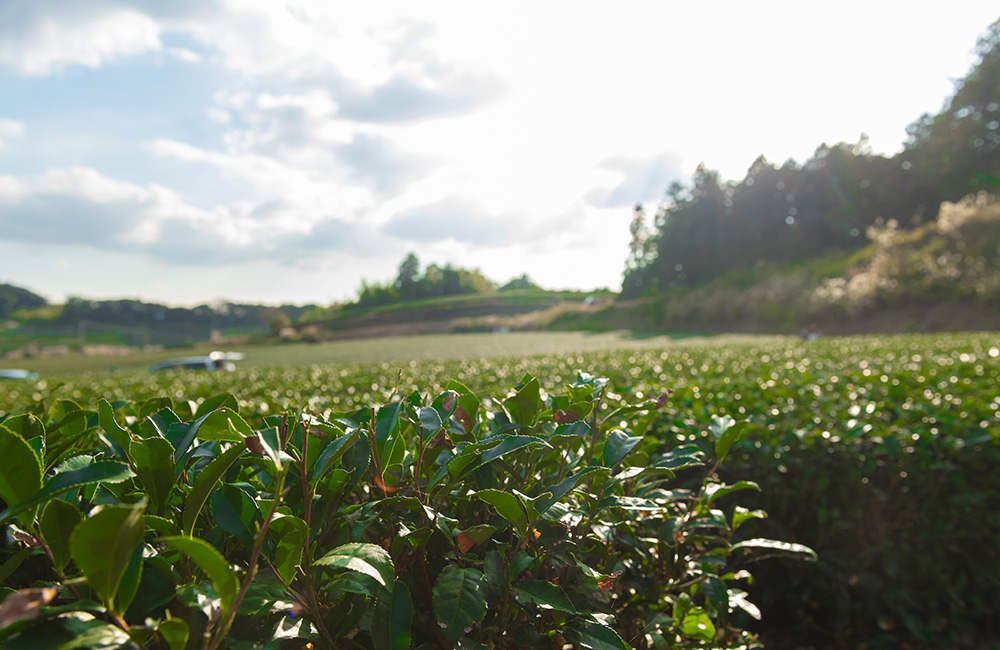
(878, 452)
(837, 389)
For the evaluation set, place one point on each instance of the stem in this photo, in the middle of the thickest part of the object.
(115, 618)
(420, 458)
(227, 622)
(433, 629)
(593, 427)
(62, 576)
(306, 495)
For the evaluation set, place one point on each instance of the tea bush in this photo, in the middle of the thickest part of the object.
(530, 520)
(877, 452)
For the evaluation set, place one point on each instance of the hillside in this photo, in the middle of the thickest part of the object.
(13, 298)
(514, 309)
(780, 216)
(943, 275)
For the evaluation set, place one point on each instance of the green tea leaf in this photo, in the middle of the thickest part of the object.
(524, 406)
(716, 594)
(508, 445)
(26, 425)
(629, 503)
(77, 473)
(12, 563)
(153, 405)
(396, 609)
(20, 472)
(697, 625)
(775, 548)
(106, 418)
(332, 451)
(270, 445)
(212, 563)
(175, 632)
(563, 487)
(165, 527)
(224, 424)
(715, 490)
(182, 435)
(153, 459)
(386, 429)
(544, 594)
(368, 559)
(726, 432)
(102, 546)
(741, 514)
(236, 513)
(680, 458)
(291, 535)
(508, 506)
(222, 400)
(430, 421)
(205, 483)
(588, 634)
(129, 585)
(459, 600)
(57, 523)
(618, 446)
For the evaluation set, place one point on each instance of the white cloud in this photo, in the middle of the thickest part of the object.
(9, 130)
(219, 115)
(184, 54)
(83, 207)
(45, 43)
(514, 139)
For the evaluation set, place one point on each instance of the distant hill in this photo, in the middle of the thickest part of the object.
(504, 310)
(131, 322)
(13, 298)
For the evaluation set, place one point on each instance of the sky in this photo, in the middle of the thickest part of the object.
(282, 151)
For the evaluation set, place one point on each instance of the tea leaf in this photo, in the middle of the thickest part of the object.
(85, 472)
(618, 446)
(153, 459)
(205, 483)
(459, 600)
(212, 563)
(20, 472)
(103, 544)
(396, 608)
(58, 521)
(544, 594)
(594, 636)
(368, 559)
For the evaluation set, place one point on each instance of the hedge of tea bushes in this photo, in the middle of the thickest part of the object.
(878, 452)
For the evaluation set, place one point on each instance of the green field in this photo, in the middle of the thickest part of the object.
(429, 347)
(879, 452)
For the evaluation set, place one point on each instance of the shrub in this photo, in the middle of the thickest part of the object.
(529, 521)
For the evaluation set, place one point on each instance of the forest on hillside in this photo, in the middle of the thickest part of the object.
(793, 212)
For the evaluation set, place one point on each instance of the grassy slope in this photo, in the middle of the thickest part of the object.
(764, 298)
(514, 296)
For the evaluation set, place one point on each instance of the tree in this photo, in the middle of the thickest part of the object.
(408, 278)
(277, 320)
(638, 246)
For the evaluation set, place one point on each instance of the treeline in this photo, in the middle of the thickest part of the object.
(794, 212)
(138, 314)
(434, 282)
(223, 317)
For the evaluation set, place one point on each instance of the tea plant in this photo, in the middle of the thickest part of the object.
(527, 521)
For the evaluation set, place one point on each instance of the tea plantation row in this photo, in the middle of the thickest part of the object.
(879, 453)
